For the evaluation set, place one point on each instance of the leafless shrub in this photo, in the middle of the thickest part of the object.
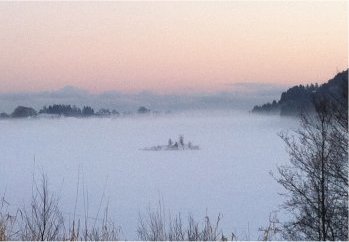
(153, 226)
(106, 231)
(272, 230)
(93, 228)
(157, 226)
(43, 220)
(4, 218)
(8, 228)
(102, 230)
(176, 232)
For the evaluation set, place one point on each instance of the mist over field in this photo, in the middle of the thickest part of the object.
(174, 120)
(240, 96)
(228, 175)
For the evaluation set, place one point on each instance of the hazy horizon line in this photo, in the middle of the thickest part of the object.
(238, 87)
(235, 87)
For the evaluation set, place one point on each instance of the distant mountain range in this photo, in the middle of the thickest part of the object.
(300, 98)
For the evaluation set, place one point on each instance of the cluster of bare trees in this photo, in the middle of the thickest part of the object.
(316, 180)
(43, 220)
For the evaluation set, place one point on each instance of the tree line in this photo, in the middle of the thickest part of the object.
(66, 111)
(300, 98)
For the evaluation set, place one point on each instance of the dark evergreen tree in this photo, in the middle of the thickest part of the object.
(143, 110)
(181, 140)
(87, 111)
(4, 116)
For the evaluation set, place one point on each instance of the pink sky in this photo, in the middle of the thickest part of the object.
(169, 46)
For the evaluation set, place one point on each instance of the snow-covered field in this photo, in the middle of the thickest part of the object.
(228, 175)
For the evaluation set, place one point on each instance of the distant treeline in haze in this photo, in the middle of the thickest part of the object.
(66, 111)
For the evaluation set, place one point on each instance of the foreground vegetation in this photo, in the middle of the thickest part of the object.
(316, 179)
(43, 220)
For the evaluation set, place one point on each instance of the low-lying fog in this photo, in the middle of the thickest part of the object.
(228, 175)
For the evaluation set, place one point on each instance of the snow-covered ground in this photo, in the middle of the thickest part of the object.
(228, 175)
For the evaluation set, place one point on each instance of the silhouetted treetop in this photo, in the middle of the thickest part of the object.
(143, 110)
(87, 111)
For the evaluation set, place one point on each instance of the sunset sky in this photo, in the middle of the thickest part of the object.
(169, 47)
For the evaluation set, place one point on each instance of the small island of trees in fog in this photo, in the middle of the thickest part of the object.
(174, 145)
